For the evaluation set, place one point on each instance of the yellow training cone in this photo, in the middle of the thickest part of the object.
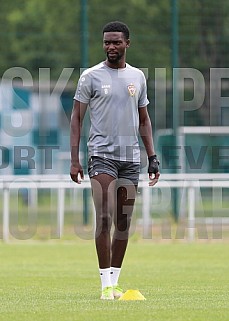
(132, 295)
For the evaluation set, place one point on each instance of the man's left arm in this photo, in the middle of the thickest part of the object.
(145, 130)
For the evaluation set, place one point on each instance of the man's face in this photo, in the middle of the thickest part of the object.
(114, 45)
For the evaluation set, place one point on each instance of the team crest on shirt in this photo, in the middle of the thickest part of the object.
(131, 89)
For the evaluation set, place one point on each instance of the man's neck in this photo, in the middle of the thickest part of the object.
(119, 65)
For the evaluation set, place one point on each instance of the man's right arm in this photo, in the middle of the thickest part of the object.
(78, 112)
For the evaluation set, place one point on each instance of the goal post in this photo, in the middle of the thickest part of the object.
(199, 149)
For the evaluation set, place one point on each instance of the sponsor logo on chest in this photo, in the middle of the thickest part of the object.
(106, 89)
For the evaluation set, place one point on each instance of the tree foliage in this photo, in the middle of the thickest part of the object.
(36, 34)
(46, 33)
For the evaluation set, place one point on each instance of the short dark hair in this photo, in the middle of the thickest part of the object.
(117, 26)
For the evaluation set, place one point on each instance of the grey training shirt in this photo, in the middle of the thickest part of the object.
(113, 97)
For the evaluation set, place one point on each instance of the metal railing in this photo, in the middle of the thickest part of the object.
(190, 182)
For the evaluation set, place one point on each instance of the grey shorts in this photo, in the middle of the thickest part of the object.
(117, 169)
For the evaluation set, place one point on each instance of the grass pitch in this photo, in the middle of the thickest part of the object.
(60, 282)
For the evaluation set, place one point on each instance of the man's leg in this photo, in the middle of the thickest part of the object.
(125, 204)
(122, 219)
(103, 197)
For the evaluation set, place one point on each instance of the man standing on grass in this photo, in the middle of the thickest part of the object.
(116, 95)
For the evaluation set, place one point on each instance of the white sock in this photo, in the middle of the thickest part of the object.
(105, 276)
(115, 275)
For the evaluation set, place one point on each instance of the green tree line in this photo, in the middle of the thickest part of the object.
(46, 33)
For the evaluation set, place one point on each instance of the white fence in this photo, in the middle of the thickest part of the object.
(190, 182)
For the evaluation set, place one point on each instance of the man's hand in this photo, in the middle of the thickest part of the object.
(76, 173)
(153, 170)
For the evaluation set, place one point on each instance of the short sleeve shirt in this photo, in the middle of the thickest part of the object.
(113, 97)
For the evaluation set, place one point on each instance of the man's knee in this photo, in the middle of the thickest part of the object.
(103, 224)
(122, 227)
(121, 235)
